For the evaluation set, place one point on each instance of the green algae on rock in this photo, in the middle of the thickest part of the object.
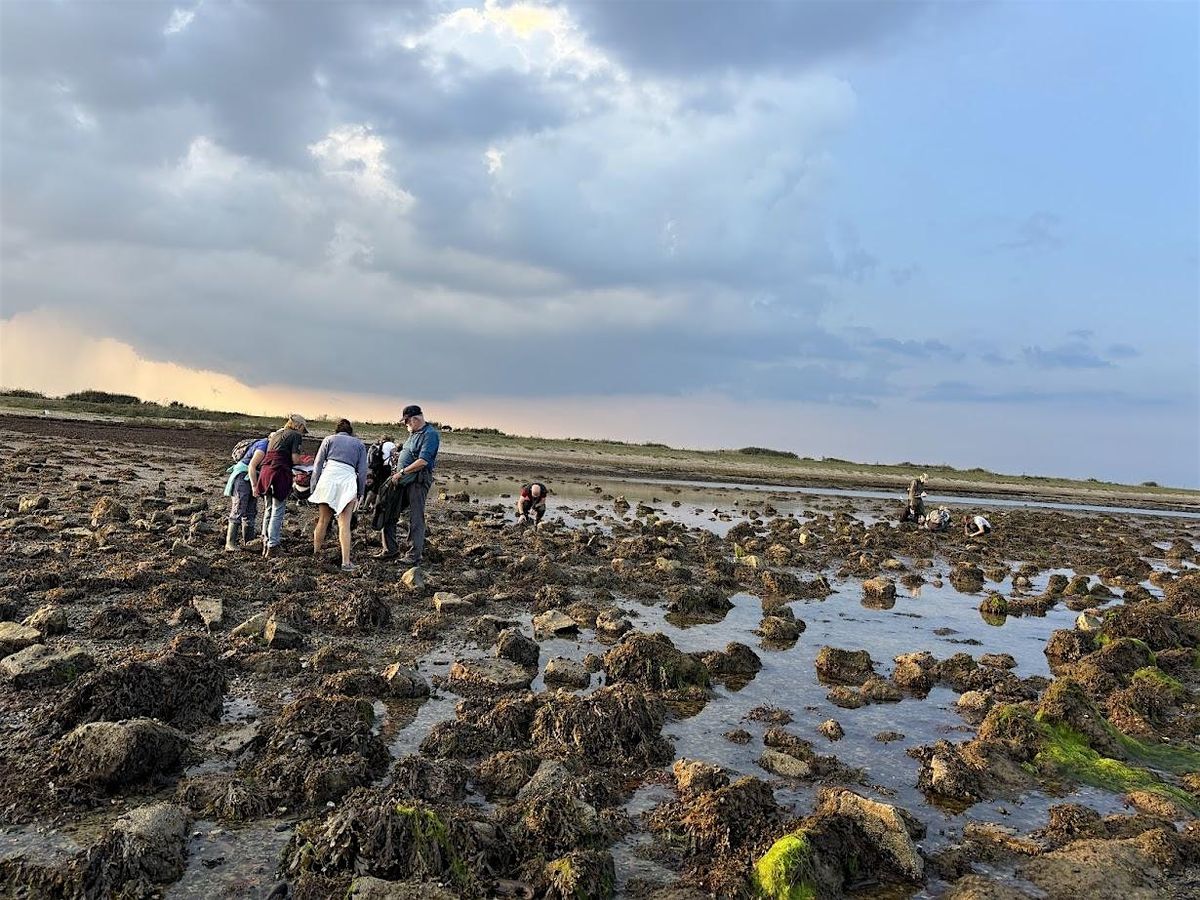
(785, 871)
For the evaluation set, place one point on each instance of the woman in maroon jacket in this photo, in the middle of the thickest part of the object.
(270, 475)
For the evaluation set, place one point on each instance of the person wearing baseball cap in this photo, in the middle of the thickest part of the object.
(414, 476)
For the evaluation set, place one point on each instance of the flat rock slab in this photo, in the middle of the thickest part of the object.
(39, 666)
(781, 764)
(14, 637)
(552, 622)
(211, 610)
(452, 605)
(490, 674)
(365, 887)
(567, 672)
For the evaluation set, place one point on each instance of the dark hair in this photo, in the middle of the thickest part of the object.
(344, 427)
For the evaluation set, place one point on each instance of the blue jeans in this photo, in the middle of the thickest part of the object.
(272, 527)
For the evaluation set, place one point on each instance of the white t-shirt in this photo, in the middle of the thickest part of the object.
(981, 522)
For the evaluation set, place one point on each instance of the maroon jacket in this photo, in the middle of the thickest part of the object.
(275, 474)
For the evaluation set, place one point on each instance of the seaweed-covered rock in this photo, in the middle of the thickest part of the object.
(693, 777)
(111, 755)
(652, 661)
(736, 660)
(837, 666)
(914, 672)
(319, 748)
(879, 588)
(1065, 703)
(584, 873)
(108, 510)
(374, 833)
(566, 672)
(184, 686)
(1067, 646)
(15, 637)
(967, 578)
(831, 729)
(945, 774)
(143, 848)
(549, 818)
(614, 726)
(728, 818)
(846, 835)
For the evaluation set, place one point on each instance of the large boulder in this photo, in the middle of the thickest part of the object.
(114, 754)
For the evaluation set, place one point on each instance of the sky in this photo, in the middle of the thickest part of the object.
(940, 232)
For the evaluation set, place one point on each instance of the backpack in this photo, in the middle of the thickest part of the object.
(241, 447)
(375, 457)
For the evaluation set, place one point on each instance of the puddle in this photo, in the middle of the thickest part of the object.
(227, 862)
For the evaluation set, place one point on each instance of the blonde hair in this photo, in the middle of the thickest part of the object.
(297, 421)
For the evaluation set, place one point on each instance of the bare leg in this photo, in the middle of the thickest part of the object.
(344, 535)
(324, 517)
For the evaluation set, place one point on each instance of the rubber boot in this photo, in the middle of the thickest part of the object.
(230, 534)
(247, 531)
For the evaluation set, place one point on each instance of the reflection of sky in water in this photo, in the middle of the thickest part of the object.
(787, 678)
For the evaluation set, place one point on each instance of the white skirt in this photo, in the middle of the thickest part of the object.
(337, 487)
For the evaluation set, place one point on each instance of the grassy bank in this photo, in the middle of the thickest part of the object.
(647, 459)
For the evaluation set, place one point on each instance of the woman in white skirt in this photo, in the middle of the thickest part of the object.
(339, 481)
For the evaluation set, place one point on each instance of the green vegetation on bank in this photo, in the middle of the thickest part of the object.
(757, 463)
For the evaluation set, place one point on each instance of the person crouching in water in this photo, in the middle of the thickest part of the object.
(270, 474)
(938, 520)
(243, 505)
(531, 503)
(976, 526)
(339, 482)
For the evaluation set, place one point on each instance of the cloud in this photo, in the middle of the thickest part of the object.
(962, 392)
(928, 350)
(682, 39)
(1122, 351)
(1071, 355)
(1040, 231)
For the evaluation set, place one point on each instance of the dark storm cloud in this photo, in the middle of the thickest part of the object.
(267, 182)
(710, 35)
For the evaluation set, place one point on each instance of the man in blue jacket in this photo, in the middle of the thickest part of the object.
(414, 470)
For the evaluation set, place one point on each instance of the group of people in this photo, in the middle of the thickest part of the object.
(341, 480)
(386, 480)
(940, 518)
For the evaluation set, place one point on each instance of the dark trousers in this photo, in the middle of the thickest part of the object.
(416, 494)
(530, 508)
(243, 506)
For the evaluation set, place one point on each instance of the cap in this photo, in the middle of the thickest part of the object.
(409, 411)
